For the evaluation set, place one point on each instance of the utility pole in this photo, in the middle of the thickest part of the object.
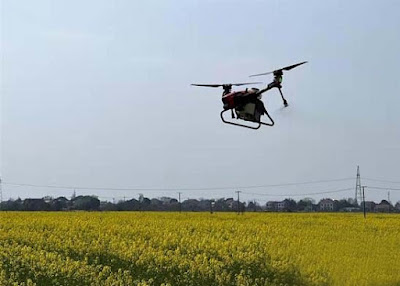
(358, 194)
(238, 201)
(363, 197)
(180, 205)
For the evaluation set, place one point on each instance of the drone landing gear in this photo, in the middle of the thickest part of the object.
(284, 100)
(277, 83)
(258, 123)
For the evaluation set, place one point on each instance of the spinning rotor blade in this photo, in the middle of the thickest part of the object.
(282, 69)
(246, 83)
(292, 66)
(207, 85)
(265, 73)
(228, 84)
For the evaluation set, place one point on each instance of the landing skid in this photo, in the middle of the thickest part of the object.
(247, 126)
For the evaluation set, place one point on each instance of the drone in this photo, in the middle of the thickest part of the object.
(247, 104)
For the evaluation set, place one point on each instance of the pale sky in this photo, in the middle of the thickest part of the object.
(97, 94)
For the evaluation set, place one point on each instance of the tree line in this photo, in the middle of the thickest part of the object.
(92, 203)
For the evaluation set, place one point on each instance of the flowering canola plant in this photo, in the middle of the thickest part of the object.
(143, 248)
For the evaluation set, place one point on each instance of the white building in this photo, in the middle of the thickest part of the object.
(326, 205)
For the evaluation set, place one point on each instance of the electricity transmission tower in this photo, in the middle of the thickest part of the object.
(358, 195)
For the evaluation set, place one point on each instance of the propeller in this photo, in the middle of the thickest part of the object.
(225, 84)
(280, 70)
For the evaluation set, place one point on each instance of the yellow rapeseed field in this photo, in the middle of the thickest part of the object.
(80, 248)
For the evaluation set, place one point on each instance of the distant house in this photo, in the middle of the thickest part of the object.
(369, 206)
(47, 199)
(61, 199)
(326, 205)
(271, 206)
(60, 203)
(168, 201)
(383, 207)
(35, 205)
(205, 204)
(274, 206)
(281, 206)
(285, 205)
(397, 206)
(230, 203)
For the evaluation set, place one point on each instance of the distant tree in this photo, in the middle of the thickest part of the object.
(156, 205)
(343, 203)
(291, 205)
(12, 205)
(303, 205)
(130, 205)
(89, 203)
(306, 204)
(172, 205)
(59, 204)
(190, 205)
(144, 203)
(397, 206)
(204, 205)
(242, 207)
(108, 206)
(220, 205)
(17, 205)
(252, 207)
(35, 205)
(352, 202)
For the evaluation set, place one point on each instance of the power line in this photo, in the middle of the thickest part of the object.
(296, 195)
(278, 195)
(382, 188)
(383, 181)
(176, 189)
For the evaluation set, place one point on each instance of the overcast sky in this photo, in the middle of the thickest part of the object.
(97, 94)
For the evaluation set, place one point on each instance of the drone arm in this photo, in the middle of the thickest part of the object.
(272, 85)
(261, 91)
